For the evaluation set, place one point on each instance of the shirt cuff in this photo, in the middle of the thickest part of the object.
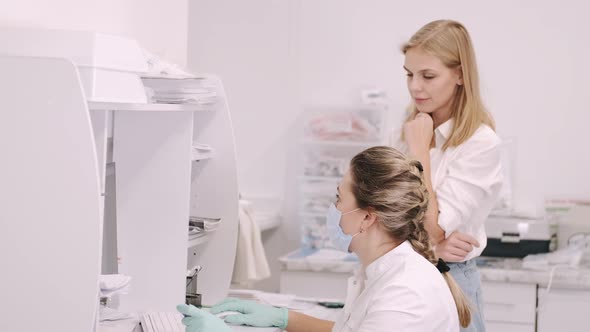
(448, 219)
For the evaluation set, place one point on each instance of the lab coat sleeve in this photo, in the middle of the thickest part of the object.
(471, 186)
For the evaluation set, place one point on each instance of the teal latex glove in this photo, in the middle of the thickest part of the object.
(252, 313)
(197, 320)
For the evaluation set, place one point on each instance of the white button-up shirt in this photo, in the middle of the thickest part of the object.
(466, 179)
(400, 291)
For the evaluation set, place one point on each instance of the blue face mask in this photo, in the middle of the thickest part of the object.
(340, 240)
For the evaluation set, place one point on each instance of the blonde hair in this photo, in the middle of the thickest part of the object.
(450, 42)
(389, 184)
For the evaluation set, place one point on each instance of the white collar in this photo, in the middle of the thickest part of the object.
(387, 261)
(443, 132)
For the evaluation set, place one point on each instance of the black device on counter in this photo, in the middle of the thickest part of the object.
(332, 305)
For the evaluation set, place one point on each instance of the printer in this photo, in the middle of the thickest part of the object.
(519, 237)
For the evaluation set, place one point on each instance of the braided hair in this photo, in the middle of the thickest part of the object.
(392, 186)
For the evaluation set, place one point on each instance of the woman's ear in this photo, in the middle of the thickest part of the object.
(370, 219)
(459, 73)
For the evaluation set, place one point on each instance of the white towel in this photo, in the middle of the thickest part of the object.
(251, 263)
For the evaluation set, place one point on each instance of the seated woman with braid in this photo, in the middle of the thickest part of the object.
(401, 286)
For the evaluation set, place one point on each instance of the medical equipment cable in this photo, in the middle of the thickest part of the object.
(551, 275)
(586, 243)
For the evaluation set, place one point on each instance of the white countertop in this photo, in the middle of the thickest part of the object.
(511, 270)
(132, 325)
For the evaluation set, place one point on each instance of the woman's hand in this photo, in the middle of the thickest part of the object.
(252, 313)
(456, 247)
(197, 320)
(418, 133)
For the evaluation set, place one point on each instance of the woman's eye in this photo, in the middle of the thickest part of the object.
(409, 75)
(429, 77)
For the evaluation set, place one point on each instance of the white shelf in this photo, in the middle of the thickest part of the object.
(202, 152)
(198, 240)
(193, 242)
(341, 143)
(106, 106)
(201, 156)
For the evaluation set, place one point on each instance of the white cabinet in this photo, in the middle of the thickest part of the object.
(509, 327)
(50, 194)
(152, 181)
(331, 137)
(509, 306)
(563, 310)
(64, 207)
(158, 184)
(214, 193)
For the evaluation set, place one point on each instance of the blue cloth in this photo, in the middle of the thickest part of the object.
(467, 277)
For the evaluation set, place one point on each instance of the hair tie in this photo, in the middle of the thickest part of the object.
(419, 165)
(442, 266)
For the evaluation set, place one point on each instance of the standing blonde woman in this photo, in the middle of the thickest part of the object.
(379, 215)
(450, 132)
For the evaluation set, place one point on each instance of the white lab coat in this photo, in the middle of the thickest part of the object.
(400, 291)
(467, 180)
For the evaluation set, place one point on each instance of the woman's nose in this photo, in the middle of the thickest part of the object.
(414, 84)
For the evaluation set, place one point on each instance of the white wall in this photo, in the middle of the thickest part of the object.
(276, 56)
(248, 44)
(531, 56)
(532, 62)
(159, 26)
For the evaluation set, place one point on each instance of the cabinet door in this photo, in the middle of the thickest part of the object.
(563, 310)
(50, 218)
(505, 302)
(509, 327)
